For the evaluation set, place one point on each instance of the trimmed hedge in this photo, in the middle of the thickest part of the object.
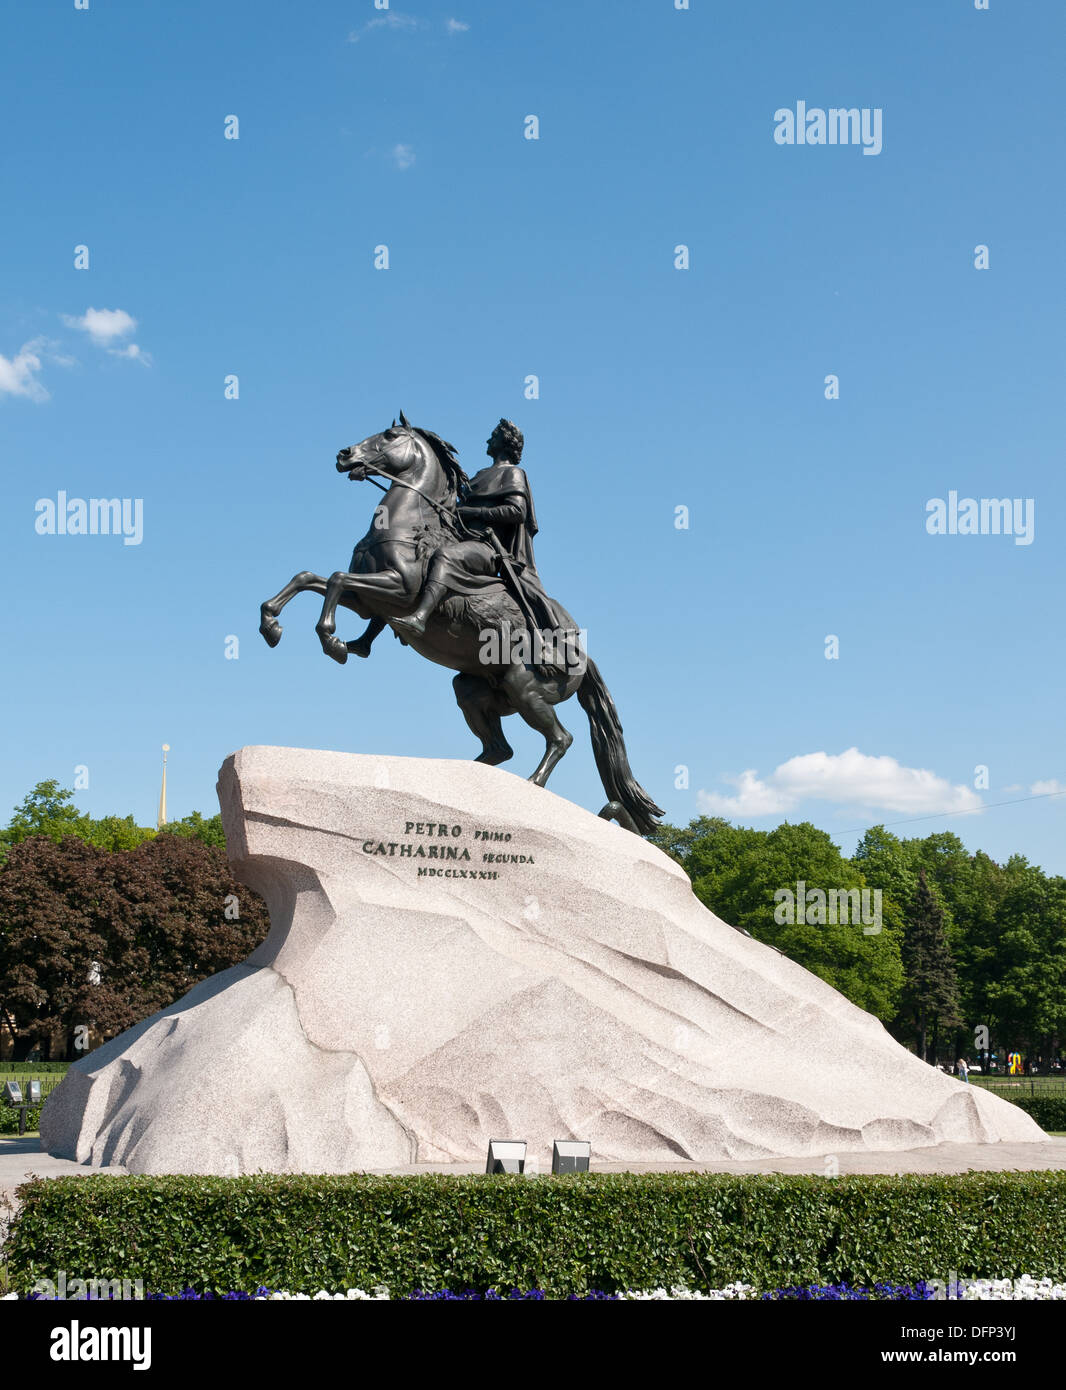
(9, 1118)
(32, 1068)
(563, 1235)
(1048, 1111)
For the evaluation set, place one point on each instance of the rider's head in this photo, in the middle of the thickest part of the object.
(506, 441)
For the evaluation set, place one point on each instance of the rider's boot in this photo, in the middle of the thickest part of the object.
(416, 621)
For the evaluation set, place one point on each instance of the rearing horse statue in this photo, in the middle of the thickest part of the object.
(483, 635)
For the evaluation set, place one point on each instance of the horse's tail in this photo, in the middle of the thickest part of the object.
(609, 751)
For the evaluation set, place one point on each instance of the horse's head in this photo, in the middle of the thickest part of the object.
(390, 452)
(395, 450)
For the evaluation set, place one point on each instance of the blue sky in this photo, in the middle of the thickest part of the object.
(659, 388)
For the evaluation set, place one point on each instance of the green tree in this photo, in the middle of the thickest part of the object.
(884, 862)
(209, 831)
(976, 937)
(114, 832)
(1025, 992)
(736, 872)
(948, 866)
(47, 810)
(930, 989)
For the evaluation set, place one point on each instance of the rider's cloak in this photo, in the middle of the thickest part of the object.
(498, 486)
(470, 568)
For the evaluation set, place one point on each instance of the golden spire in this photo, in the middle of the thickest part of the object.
(163, 791)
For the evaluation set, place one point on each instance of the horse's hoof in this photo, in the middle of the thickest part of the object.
(271, 630)
(359, 647)
(333, 647)
(494, 756)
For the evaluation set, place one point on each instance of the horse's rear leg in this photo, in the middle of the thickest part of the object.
(361, 646)
(526, 693)
(478, 701)
(268, 612)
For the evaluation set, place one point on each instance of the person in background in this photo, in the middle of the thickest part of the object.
(963, 1070)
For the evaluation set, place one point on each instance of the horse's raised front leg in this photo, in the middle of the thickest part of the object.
(387, 584)
(268, 612)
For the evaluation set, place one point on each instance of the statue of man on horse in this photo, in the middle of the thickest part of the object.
(496, 509)
(448, 562)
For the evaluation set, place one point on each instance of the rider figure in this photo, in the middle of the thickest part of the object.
(497, 499)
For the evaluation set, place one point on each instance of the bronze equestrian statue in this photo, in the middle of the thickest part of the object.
(448, 563)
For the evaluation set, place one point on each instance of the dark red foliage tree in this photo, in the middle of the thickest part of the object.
(100, 940)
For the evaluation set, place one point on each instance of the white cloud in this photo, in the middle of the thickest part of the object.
(103, 325)
(106, 328)
(754, 798)
(133, 352)
(403, 24)
(1051, 787)
(18, 374)
(404, 156)
(846, 779)
(389, 20)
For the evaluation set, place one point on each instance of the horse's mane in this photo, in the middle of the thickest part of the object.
(447, 457)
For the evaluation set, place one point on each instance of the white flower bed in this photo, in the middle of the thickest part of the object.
(1015, 1290)
(1026, 1289)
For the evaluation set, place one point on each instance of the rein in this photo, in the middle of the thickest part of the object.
(453, 519)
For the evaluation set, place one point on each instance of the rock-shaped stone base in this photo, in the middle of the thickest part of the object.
(456, 955)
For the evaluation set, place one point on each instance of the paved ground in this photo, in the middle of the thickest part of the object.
(21, 1157)
(941, 1158)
